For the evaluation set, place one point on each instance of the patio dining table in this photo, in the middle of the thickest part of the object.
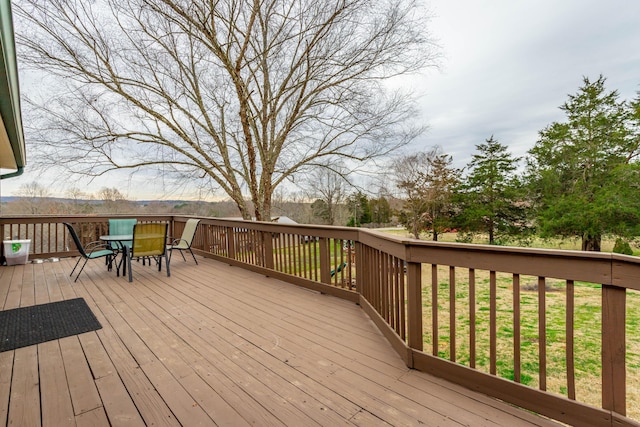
(119, 240)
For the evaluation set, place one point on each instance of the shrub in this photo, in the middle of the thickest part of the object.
(622, 247)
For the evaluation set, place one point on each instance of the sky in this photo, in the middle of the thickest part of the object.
(506, 67)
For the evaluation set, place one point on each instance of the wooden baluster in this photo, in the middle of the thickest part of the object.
(452, 313)
(434, 310)
(472, 318)
(401, 301)
(492, 322)
(570, 345)
(542, 332)
(517, 339)
(384, 286)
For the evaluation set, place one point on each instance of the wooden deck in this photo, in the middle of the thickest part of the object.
(217, 345)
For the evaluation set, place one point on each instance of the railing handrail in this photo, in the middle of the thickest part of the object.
(596, 267)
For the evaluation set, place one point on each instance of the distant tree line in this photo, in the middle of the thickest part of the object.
(34, 198)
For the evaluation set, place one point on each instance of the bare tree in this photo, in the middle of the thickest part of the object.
(427, 181)
(411, 180)
(113, 200)
(328, 186)
(79, 201)
(236, 93)
(77, 195)
(35, 198)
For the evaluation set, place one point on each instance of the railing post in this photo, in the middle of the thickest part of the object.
(360, 271)
(231, 243)
(267, 245)
(414, 306)
(171, 230)
(325, 263)
(613, 349)
(205, 231)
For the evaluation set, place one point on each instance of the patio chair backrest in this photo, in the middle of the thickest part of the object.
(149, 240)
(190, 230)
(122, 226)
(76, 239)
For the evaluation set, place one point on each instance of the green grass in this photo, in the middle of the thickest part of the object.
(587, 336)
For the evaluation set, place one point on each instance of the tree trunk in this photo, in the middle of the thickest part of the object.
(591, 243)
(416, 231)
(242, 204)
(262, 204)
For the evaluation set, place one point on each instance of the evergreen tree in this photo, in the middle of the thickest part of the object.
(490, 197)
(584, 172)
(442, 179)
(360, 211)
(380, 210)
(320, 210)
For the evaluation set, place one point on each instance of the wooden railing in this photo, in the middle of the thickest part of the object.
(522, 325)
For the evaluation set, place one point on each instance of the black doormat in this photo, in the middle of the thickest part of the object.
(25, 326)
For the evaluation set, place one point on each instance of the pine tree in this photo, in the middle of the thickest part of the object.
(490, 197)
(584, 172)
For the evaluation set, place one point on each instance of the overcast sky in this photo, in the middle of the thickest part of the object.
(507, 65)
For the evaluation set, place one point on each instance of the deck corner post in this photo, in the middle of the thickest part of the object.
(613, 349)
(414, 306)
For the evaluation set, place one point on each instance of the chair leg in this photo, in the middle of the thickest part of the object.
(129, 266)
(194, 257)
(111, 260)
(82, 268)
(121, 263)
(167, 260)
(76, 266)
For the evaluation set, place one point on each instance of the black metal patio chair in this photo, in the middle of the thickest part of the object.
(93, 250)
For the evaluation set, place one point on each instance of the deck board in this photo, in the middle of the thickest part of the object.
(217, 345)
(15, 288)
(24, 399)
(95, 418)
(57, 409)
(83, 391)
(6, 372)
